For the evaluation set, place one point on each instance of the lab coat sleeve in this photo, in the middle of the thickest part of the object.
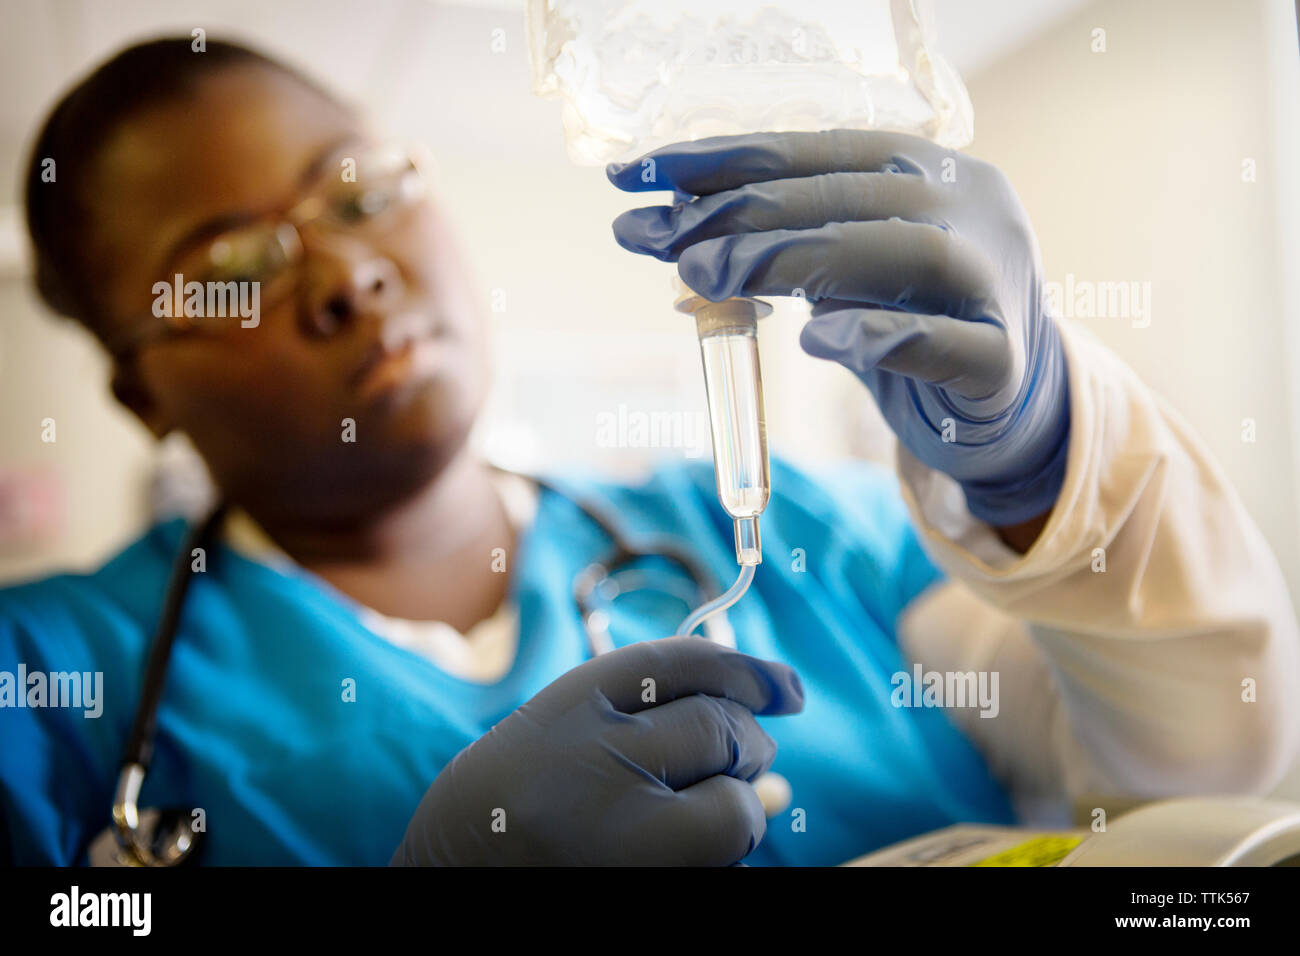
(1145, 645)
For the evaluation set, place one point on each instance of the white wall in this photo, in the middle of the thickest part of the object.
(1130, 164)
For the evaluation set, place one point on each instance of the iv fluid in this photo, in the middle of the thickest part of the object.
(729, 348)
(735, 393)
(637, 74)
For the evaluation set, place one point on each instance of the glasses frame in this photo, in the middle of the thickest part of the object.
(288, 226)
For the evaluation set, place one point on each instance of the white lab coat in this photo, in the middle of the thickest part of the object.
(1132, 682)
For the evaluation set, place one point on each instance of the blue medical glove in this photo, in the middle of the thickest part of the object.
(590, 772)
(924, 277)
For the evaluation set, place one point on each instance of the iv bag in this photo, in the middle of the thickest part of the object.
(638, 74)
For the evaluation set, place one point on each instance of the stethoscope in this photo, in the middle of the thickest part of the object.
(153, 837)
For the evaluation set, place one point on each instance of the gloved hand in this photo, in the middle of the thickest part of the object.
(587, 772)
(924, 276)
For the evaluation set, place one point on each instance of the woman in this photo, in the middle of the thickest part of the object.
(384, 616)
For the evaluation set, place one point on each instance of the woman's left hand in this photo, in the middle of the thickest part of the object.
(924, 277)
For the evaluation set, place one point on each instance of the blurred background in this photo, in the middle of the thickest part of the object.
(1167, 159)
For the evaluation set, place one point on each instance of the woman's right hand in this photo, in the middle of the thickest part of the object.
(643, 756)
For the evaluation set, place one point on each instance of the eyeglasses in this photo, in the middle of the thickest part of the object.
(364, 191)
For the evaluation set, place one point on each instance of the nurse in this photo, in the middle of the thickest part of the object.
(355, 680)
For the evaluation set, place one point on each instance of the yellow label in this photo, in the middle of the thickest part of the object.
(1047, 850)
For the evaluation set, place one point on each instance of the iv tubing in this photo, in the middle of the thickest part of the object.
(720, 603)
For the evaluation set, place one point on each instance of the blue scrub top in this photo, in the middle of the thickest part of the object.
(254, 726)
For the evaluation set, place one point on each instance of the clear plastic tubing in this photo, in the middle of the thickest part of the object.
(719, 603)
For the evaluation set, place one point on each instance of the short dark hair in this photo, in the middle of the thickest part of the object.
(135, 79)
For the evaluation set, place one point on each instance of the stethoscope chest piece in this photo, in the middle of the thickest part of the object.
(149, 837)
